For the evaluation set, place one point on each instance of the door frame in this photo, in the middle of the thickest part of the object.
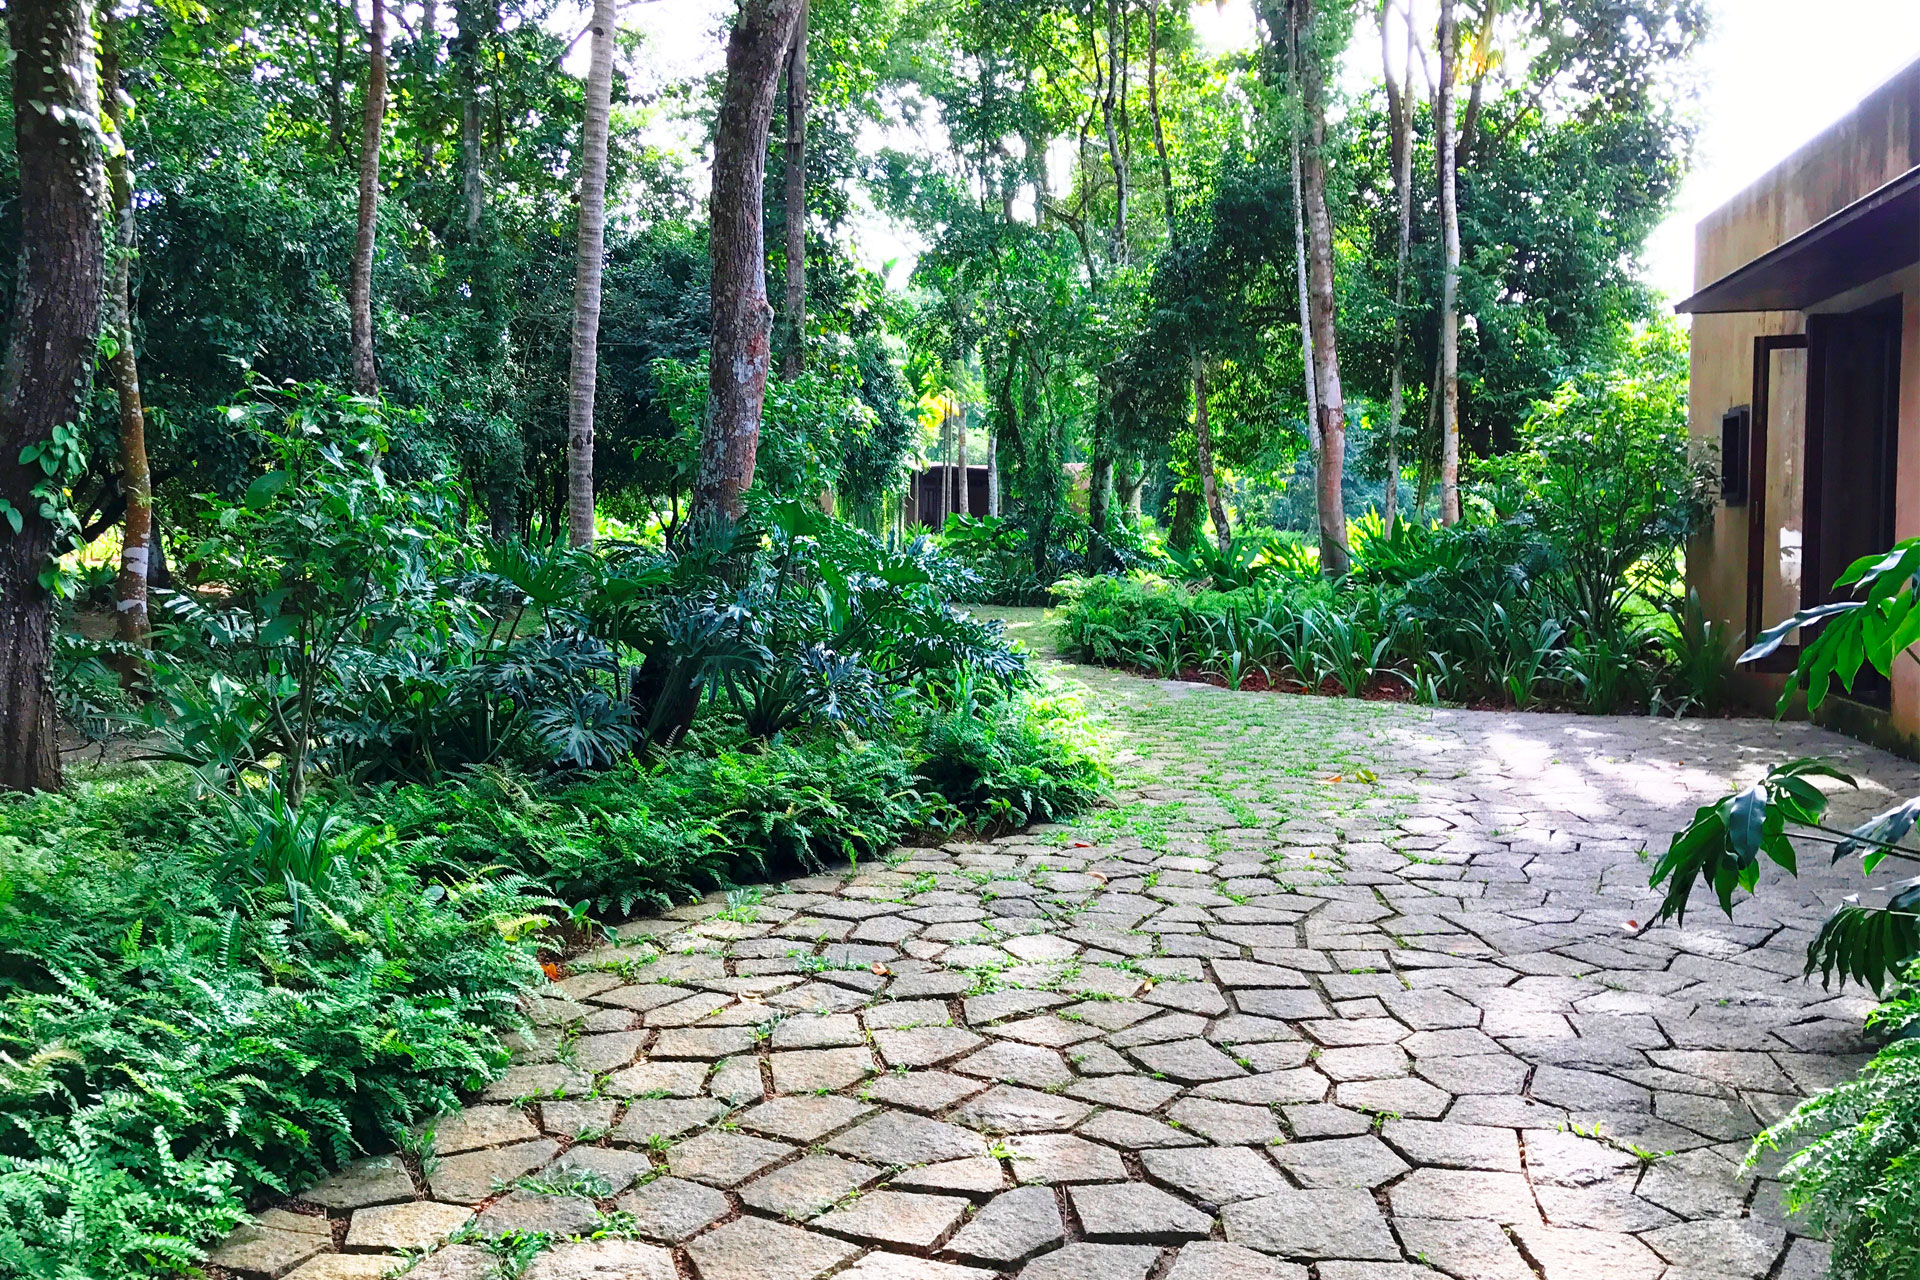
(1785, 658)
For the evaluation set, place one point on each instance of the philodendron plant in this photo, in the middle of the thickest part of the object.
(1867, 941)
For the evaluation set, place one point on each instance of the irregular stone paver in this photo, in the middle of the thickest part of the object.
(345, 1266)
(1312, 1224)
(672, 1209)
(1320, 951)
(419, 1225)
(1093, 1262)
(1214, 1176)
(530, 1211)
(807, 1186)
(270, 1251)
(724, 1159)
(1011, 1228)
(376, 1180)
(1136, 1212)
(1364, 1162)
(975, 1175)
(896, 1217)
(895, 1138)
(457, 1262)
(603, 1260)
(1213, 1260)
(621, 1168)
(756, 1249)
(1009, 1109)
(805, 1119)
(898, 1266)
(1061, 1157)
(470, 1178)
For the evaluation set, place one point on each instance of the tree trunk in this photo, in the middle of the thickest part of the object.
(1183, 530)
(337, 80)
(48, 372)
(1115, 55)
(1203, 456)
(742, 320)
(588, 266)
(366, 378)
(993, 471)
(796, 202)
(136, 481)
(473, 29)
(1306, 305)
(1099, 500)
(1399, 103)
(1153, 109)
(1450, 279)
(1334, 558)
(962, 490)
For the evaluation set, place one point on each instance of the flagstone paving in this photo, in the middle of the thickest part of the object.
(1333, 990)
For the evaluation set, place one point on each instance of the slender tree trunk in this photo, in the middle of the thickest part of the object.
(1099, 500)
(48, 371)
(589, 265)
(993, 471)
(742, 320)
(796, 202)
(1115, 55)
(1401, 120)
(942, 461)
(136, 481)
(1203, 456)
(1450, 278)
(473, 29)
(962, 489)
(366, 377)
(1334, 558)
(1153, 109)
(1183, 530)
(337, 81)
(1306, 305)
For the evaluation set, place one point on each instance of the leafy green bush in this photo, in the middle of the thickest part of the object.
(1857, 1177)
(175, 1038)
(398, 742)
(997, 558)
(1007, 761)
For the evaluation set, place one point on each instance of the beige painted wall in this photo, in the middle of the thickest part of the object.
(1875, 144)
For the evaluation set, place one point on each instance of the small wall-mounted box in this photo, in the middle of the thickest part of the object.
(1735, 426)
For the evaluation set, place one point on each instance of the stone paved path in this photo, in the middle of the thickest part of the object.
(1335, 990)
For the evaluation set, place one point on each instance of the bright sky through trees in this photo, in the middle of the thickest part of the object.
(1770, 80)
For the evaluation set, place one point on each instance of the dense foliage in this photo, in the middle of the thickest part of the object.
(1854, 1176)
(1560, 587)
(407, 763)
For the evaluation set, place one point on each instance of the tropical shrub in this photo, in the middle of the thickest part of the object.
(1855, 1176)
(997, 558)
(391, 744)
(1003, 761)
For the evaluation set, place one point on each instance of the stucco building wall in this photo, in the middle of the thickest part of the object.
(1877, 143)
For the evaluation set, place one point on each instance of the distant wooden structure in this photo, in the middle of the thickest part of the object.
(930, 495)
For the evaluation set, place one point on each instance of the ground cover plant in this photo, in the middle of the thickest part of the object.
(396, 767)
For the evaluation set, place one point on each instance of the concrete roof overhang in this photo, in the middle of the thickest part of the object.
(1872, 237)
